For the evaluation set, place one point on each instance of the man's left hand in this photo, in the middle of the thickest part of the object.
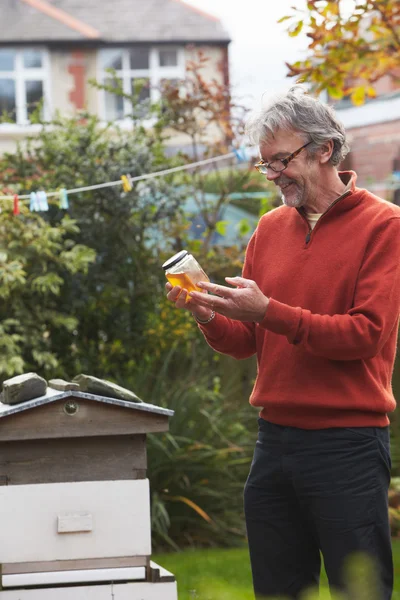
(244, 303)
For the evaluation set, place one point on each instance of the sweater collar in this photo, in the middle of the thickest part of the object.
(349, 178)
(348, 199)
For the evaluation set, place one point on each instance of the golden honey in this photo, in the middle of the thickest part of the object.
(183, 280)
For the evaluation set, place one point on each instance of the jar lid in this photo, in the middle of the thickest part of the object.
(174, 259)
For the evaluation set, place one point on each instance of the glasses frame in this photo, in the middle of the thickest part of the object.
(262, 167)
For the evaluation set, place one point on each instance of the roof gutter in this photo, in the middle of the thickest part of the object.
(103, 42)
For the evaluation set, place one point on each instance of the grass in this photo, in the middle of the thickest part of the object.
(225, 574)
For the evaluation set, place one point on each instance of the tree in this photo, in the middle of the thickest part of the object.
(352, 45)
(213, 122)
(123, 319)
(112, 300)
(35, 259)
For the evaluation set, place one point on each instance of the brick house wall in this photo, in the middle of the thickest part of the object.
(374, 149)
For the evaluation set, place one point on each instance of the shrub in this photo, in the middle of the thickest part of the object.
(198, 469)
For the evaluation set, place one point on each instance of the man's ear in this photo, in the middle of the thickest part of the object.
(325, 152)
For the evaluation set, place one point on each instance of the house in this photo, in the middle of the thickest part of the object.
(50, 50)
(374, 135)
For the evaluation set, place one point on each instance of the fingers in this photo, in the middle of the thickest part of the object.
(219, 290)
(183, 300)
(178, 295)
(173, 292)
(239, 282)
(212, 302)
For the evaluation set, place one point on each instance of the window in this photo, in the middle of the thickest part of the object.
(24, 83)
(168, 58)
(138, 70)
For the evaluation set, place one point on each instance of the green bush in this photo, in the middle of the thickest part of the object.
(198, 469)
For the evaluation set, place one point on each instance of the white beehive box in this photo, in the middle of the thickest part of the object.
(74, 498)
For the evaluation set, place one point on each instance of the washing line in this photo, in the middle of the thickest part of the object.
(137, 178)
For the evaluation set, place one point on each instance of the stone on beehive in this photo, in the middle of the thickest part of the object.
(63, 386)
(102, 387)
(23, 387)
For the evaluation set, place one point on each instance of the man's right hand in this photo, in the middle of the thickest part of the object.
(181, 299)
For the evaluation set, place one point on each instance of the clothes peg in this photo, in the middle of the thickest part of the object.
(126, 183)
(63, 198)
(42, 200)
(241, 154)
(16, 210)
(34, 203)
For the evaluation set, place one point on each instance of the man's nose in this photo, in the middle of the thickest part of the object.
(272, 175)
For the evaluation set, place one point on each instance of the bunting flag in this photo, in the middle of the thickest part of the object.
(63, 198)
(16, 210)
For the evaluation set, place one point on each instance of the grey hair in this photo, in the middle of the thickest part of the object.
(300, 112)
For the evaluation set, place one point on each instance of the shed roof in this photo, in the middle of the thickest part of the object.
(54, 395)
(119, 21)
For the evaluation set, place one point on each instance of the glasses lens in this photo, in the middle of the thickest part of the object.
(261, 169)
(277, 166)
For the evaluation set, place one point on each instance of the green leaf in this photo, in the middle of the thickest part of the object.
(243, 227)
(78, 258)
(220, 227)
(296, 30)
(335, 92)
(265, 206)
(51, 282)
(358, 96)
(47, 360)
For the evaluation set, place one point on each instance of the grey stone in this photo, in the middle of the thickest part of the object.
(23, 387)
(101, 387)
(63, 386)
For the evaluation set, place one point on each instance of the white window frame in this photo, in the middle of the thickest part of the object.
(20, 75)
(155, 73)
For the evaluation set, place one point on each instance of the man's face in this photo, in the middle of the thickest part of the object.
(297, 182)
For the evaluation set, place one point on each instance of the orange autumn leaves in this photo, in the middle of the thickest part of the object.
(349, 51)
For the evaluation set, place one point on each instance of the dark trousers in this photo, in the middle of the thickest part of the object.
(317, 491)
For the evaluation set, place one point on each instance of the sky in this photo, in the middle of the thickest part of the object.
(260, 46)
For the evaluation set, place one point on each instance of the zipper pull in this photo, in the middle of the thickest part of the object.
(308, 237)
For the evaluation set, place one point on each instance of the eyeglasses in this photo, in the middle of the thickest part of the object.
(279, 165)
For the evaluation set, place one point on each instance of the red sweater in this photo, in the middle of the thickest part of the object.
(327, 344)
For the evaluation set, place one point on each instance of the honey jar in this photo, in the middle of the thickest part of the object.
(183, 269)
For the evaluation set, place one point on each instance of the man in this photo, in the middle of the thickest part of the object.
(319, 304)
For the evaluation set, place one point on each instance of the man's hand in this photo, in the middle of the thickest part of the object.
(181, 299)
(245, 303)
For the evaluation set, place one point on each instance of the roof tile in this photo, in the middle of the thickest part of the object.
(119, 21)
